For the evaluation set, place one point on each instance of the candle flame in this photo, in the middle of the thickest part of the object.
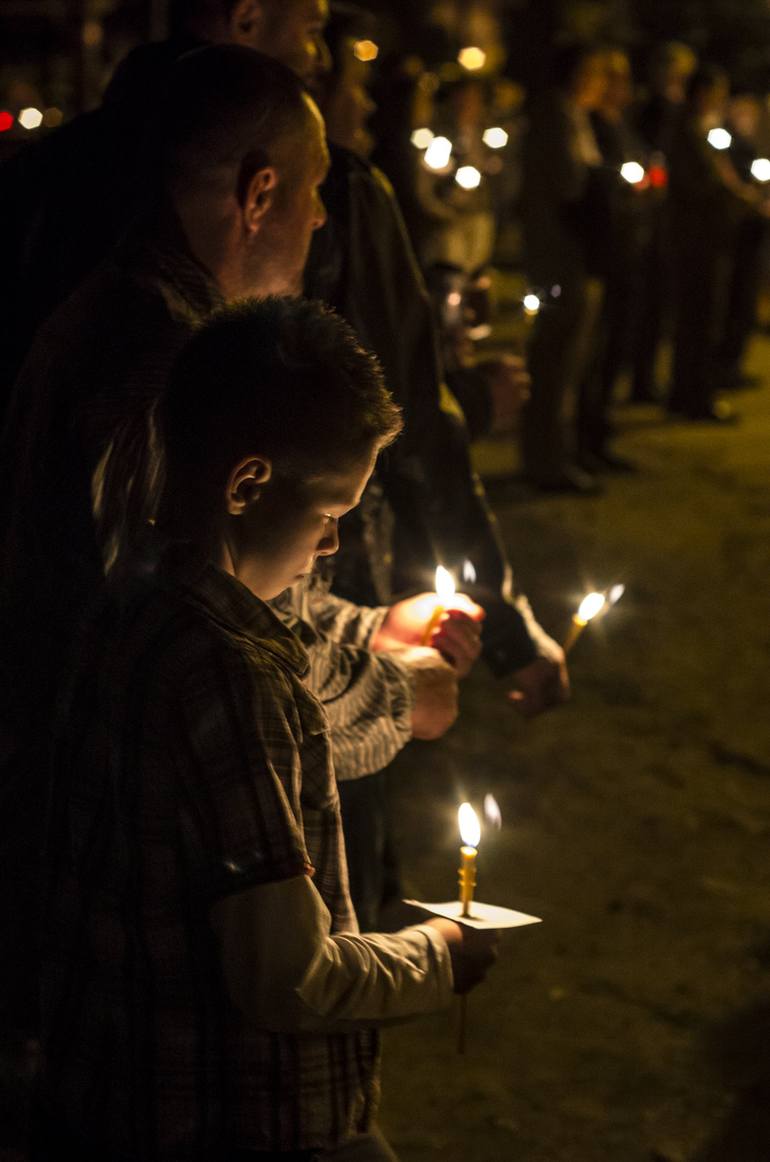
(470, 828)
(592, 604)
(492, 812)
(469, 573)
(438, 153)
(615, 594)
(445, 585)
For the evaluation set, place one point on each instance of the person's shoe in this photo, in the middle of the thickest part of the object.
(611, 462)
(573, 480)
(719, 412)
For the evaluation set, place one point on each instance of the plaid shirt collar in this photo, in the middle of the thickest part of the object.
(229, 602)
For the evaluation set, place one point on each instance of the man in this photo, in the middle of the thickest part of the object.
(244, 158)
(708, 202)
(207, 995)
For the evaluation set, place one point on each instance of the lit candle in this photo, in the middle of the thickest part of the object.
(445, 591)
(470, 833)
(592, 604)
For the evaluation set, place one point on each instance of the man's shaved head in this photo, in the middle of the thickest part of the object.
(228, 111)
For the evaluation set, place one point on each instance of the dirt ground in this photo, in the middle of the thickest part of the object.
(633, 1024)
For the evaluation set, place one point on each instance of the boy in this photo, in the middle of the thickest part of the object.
(207, 994)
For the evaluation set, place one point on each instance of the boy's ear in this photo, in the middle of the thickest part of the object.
(245, 484)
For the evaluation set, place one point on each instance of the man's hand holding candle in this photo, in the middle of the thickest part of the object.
(455, 633)
(473, 951)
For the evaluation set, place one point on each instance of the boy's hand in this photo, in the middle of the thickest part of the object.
(473, 952)
(435, 692)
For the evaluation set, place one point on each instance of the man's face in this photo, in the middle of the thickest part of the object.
(280, 249)
(347, 105)
(292, 32)
(295, 522)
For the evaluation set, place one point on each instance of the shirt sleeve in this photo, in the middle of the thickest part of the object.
(343, 621)
(294, 977)
(240, 774)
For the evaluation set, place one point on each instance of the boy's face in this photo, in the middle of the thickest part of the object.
(279, 537)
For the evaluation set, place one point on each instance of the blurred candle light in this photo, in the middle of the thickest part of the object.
(6, 120)
(438, 153)
(366, 50)
(445, 591)
(531, 303)
(719, 138)
(52, 118)
(30, 118)
(615, 594)
(468, 177)
(492, 812)
(495, 138)
(632, 172)
(421, 138)
(469, 573)
(472, 58)
(592, 604)
(760, 169)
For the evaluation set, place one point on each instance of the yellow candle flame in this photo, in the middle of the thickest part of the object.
(592, 604)
(445, 585)
(470, 827)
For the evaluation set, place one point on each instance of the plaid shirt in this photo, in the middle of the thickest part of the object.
(191, 763)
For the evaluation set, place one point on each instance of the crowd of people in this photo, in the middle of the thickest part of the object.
(220, 346)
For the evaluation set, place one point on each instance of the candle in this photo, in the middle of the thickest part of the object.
(445, 591)
(470, 833)
(592, 604)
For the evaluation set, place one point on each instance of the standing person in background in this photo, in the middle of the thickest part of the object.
(627, 236)
(708, 203)
(564, 220)
(656, 121)
(748, 254)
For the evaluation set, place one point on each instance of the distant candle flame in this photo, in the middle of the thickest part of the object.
(469, 573)
(592, 604)
(438, 153)
(492, 812)
(760, 169)
(472, 58)
(422, 137)
(719, 138)
(531, 303)
(445, 585)
(366, 50)
(632, 172)
(495, 138)
(468, 177)
(615, 594)
(470, 828)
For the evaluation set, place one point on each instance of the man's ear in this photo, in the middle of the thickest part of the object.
(246, 22)
(245, 483)
(258, 197)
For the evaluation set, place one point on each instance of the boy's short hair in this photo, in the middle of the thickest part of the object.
(283, 377)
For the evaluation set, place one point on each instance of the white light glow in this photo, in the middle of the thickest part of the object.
(472, 58)
(632, 172)
(469, 573)
(468, 177)
(495, 138)
(591, 605)
(531, 304)
(421, 138)
(492, 812)
(719, 138)
(760, 169)
(470, 828)
(438, 153)
(445, 585)
(615, 594)
(30, 118)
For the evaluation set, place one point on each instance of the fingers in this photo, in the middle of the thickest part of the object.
(458, 639)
